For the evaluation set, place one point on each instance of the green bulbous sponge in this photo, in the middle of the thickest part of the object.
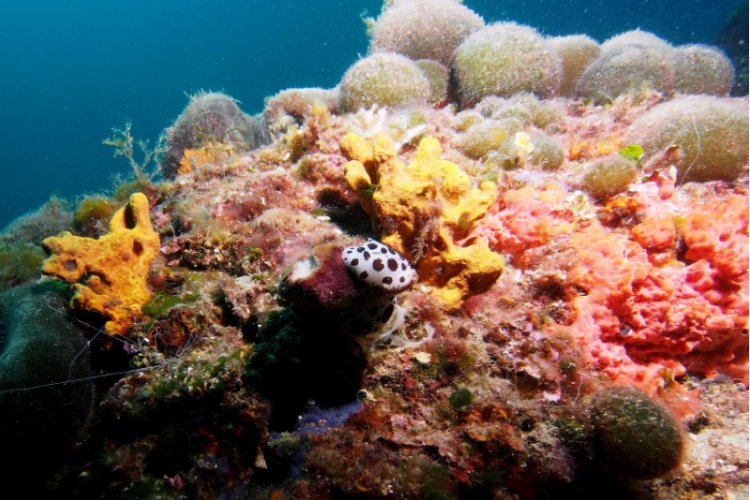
(635, 437)
(575, 52)
(437, 76)
(210, 117)
(546, 153)
(45, 397)
(385, 79)
(704, 136)
(504, 59)
(424, 29)
(609, 175)
(625, 69)
(700, 69)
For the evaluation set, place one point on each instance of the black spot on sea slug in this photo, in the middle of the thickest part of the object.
(387, 280)
(392, 264)
(366, 255)
(363, 275)
(372, 246)
(377, 264)
(355, 262)
(387, 313)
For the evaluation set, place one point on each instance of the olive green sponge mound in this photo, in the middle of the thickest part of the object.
(210, 117)
(504, 59)
(705, 136)
(635, 436)
(626, 69)
(700, 69)
(575, 52)
(385, 79)
(609, 175)
(45, 394)
(424, 29)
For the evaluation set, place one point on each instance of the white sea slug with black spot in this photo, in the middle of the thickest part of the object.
(378, 265)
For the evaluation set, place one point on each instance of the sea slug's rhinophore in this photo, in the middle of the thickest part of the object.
(108, 274)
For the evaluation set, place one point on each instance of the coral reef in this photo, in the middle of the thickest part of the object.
(503, 59)
(546, 153)
(558, 306)
(293, 106)
(114, 266)
(421, 207)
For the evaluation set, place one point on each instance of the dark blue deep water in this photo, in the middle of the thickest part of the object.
(72, 70)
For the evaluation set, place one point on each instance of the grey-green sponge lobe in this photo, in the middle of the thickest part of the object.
(386, 79)
(45, 396)
(424, 29)
(504, 59)
(635, 436)
(707, 137)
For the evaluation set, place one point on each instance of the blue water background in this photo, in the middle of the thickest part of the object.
(72, 70)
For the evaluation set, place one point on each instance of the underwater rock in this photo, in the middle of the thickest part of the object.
(45, 394)
(733, 39)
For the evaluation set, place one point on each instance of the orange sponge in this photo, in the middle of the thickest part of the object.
(109, 273)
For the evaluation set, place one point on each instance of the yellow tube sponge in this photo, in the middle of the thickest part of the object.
(109, 273)
(422, 208)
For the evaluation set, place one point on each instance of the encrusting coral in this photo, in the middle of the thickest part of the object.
(114, 266)
(422, 208)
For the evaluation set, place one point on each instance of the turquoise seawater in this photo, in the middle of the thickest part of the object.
(73, 70)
